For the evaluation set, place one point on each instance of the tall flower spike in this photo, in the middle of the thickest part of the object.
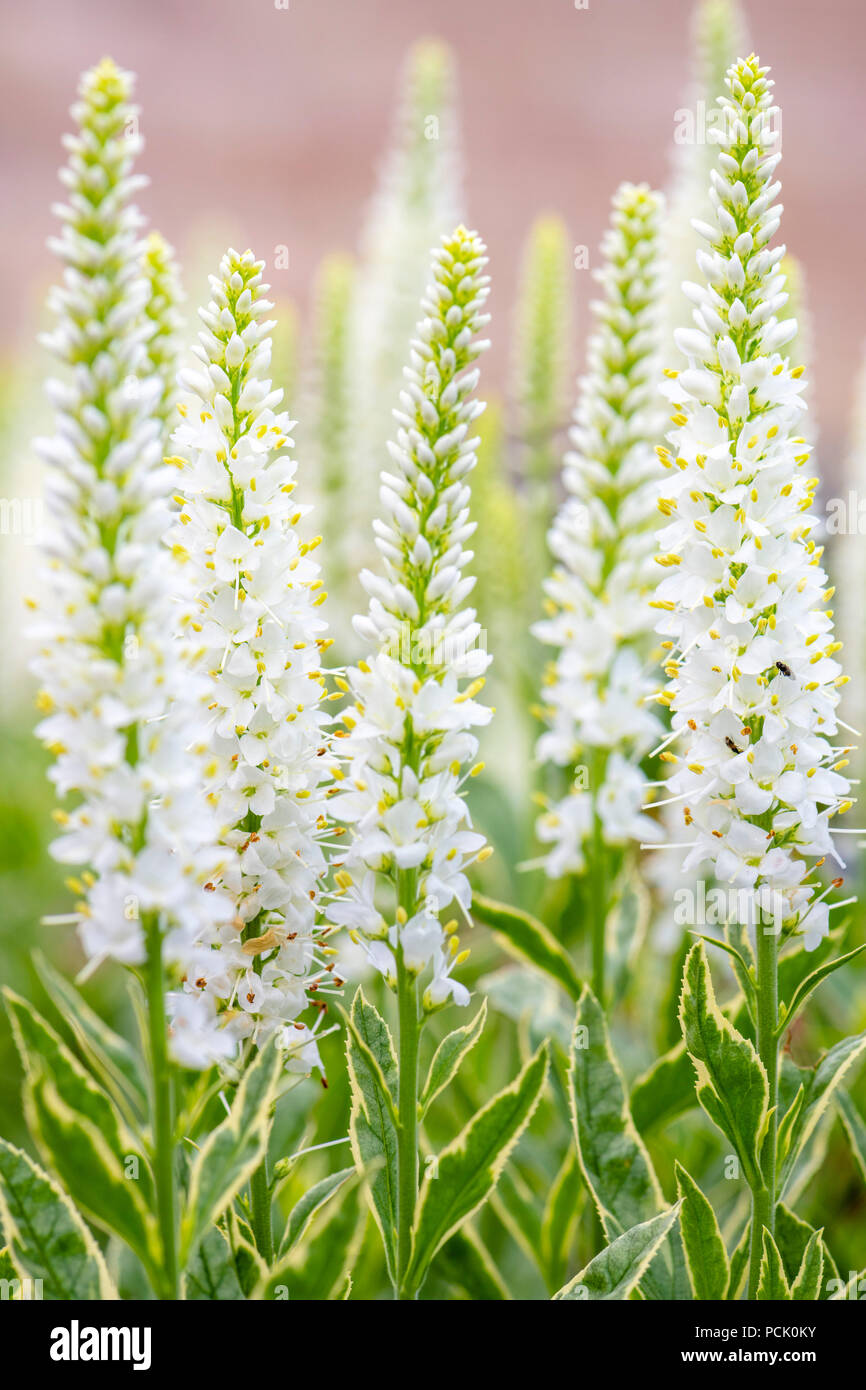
(260, 626)
(602, 542)
(754, 679)
(408, 733)
(115, 691)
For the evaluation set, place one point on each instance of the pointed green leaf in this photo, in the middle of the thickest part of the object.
(45, 1056)
(466, 1172)
(232, 1151)
(706, 1257)
(772, 1284)
(449, 1055)
(820, 1084)
(111, 1192)
(372, 1066)
(524, 936)
(731, 1082)
(739, 1266)
(561, 1214)
(617, 1271)
(807, 1284)
(613, 1158)
(47, 1239)
(811, 982)
(792, 1236)
(114, 1062)
(317, 1267)
(312, 1201)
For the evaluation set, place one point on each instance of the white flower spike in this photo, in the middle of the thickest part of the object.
(408, 736)
(754, 680)
(602, 542)
(118, 698)
(259, 623)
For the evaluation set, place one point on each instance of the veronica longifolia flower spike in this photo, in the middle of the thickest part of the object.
(753, 675)
(603, 543)
(260, 625)
(408, 736)
(115, 691)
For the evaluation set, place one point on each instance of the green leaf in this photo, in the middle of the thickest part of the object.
(466, 1172)
(313, 1200)
(665, 1090)
(372, 1065)
(811, 982)
(465, 1263)
(45, 1056)
(317, 1267)
(706, 1257)
(249, 1265)
(616, 1272)
(91, 1171)
(739, 1265)
(852, 1123)
(46, 1237)
(772, 1284)
(613, 1158)
(449, 1055)
(807, 1284)
(741, 969)
(731, 1082)
(792, 1236)
(787, 1126)
(820, 1084)
(524, 936)
(112, 1059)
(211, 1274)
(232, 1151)
(560, 1218)
(614, 1161)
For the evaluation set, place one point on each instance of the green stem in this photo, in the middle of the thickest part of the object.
(161, 1108)
(260, 1202)
(764, 1198)
(407, 1100)
(598, 888)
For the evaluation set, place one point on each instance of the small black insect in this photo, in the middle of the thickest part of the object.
(786, 670)
(733, 747)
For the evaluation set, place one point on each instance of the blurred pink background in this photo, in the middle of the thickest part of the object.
(271, 123)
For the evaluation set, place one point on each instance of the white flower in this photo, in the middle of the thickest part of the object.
(118, 697)
(602, 542)
(753, 675)
(409, 731)
(258, 623)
